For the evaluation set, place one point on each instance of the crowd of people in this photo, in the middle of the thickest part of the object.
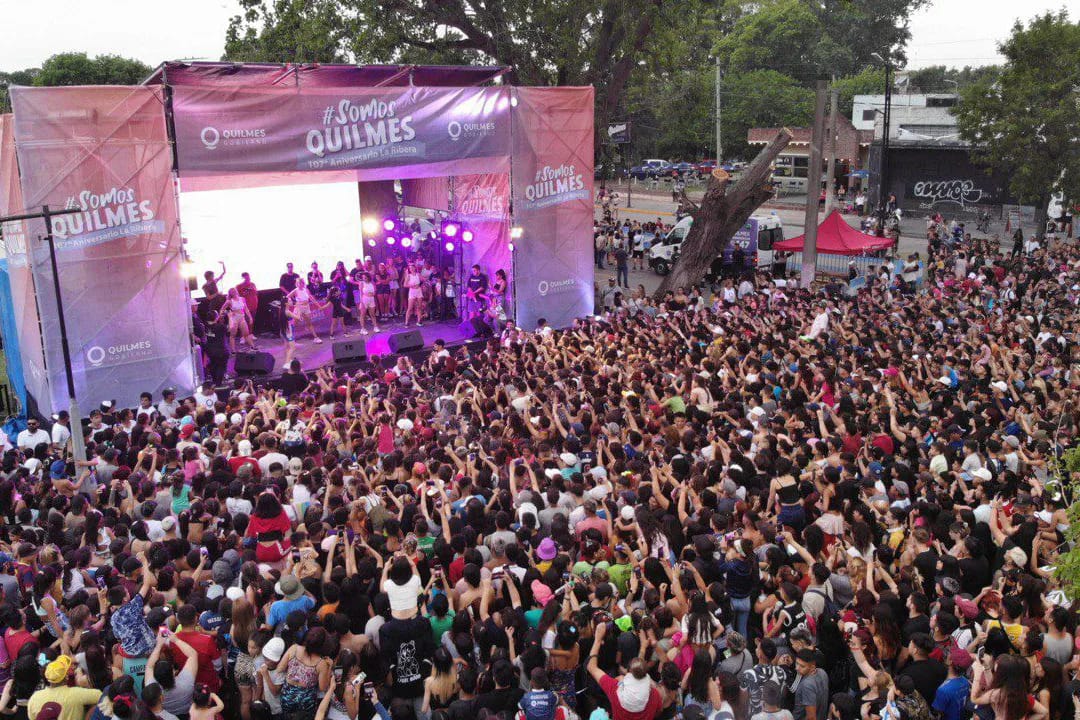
(782, 506)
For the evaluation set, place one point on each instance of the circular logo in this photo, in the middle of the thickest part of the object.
(210, 137)
(95, 355)
(543, 287)
(454, 128)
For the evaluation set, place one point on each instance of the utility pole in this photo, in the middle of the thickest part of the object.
(719, 142)
(830, 194)
(810, 223)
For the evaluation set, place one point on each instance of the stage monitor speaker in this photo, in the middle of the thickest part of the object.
(254, 363)
(407, 341)
(348, 351)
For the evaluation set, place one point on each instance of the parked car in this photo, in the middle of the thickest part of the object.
(651, 169)
(683, 169)
(704, 167)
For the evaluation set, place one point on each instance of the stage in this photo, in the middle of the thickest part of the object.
(313, 356)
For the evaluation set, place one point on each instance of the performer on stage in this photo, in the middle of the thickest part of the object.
(415, 307)
(366, 301)
(214, 299)
(476, 289)
(383, 293)
(238, 318)
(335, 299)
(250, 293)
(302, 300)
(315, 281)
(340, 277)
(286, 283)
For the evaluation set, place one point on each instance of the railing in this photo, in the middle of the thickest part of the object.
(8, 406)
(836, 264)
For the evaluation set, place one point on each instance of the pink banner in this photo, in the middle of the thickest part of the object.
(284, 129)
(482, 202)
(553, 203)
(105, 152)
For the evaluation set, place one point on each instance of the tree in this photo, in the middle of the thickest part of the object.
(300, 31)
(723, 210)
(761, 98)
(76, 68)
(557, 42)
(19, 77)
(871, 81)
(811, 39)
(942, 79)
(1025, 124)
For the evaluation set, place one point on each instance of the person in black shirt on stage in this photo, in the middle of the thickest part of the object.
(476, 288)
(287, 283)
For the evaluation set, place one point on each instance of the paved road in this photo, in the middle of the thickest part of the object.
(646, 207)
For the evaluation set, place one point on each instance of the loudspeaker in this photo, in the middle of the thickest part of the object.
(406, 341)
(254, 363)
(348, 351)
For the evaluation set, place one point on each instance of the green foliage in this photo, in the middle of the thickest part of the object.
(76, 68)
(762, 98)
(1027, 120)
(807, 39)
(941, 79)
(1067, 481)
(287, 31)
(871, 81)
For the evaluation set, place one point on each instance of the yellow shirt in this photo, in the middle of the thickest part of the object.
(1013, 630)
(73, 700)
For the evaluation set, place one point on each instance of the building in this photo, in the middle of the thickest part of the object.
(792, 166)
(930, 169)
(912, 116)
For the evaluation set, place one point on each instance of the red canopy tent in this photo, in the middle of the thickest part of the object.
(836, 237)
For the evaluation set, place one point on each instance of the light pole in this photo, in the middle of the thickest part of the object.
(883, 164)
(78, 444)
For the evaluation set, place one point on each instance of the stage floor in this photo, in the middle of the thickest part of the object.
(314, 355)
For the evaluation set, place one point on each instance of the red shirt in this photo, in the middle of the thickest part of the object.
(885, 443)
(14, 641)
(610, 686)
(235, 463)
(207, 649)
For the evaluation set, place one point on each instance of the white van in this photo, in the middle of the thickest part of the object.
(755, 239)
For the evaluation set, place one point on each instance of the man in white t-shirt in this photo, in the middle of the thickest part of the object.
(61, 429)
(205, 397)
(272, 456)
(32, 436)
(169, 404)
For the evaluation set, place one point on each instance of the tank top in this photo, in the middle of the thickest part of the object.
(788, 494)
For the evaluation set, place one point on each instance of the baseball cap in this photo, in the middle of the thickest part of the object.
(960, 658)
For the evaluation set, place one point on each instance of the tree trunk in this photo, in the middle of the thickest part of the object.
(1041, 216)
(721, 214)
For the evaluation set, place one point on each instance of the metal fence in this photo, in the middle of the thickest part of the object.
(836, 264)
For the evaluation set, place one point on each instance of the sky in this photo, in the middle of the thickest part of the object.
(948, 32)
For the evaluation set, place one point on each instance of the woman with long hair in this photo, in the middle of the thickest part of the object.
(240, 632)
(307, 673)
(415, 298)
(563, 661)
(1005, 691)
(441, 687)
(366, 302)
(240, 322)
(47, 595)
(698, 685)
(301, 301)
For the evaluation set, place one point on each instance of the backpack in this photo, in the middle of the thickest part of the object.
(831, 609)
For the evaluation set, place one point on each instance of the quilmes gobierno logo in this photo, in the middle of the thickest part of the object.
(457, 130)
(122, 352)
(212, 137)
(551, 287)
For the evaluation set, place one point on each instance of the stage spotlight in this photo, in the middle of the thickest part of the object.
(371, 242)
(513, 101)
(406, 242)
(450, 229)
(510, 246)
(389, 224)
(189, 270)
(516, 232)
(370, 226)
(433, 235)
(449, 247)
(467, 236)
(390, 239)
